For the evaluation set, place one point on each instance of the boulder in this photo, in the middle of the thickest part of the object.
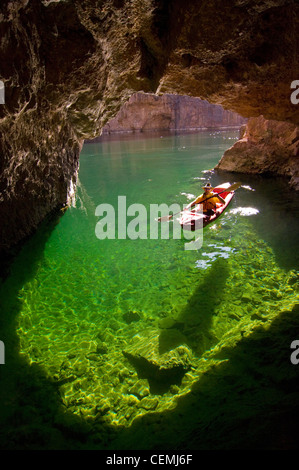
(266, 147)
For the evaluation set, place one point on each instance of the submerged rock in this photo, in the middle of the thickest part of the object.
(131, 316)
(102, 348)
(170, 339)
(148, 403)
(169, 322)
(139, 389)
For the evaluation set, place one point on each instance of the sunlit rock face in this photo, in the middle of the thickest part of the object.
(69, 65)
(149, 112)
(266, 147)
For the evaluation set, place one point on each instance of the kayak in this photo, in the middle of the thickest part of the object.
(194, 219)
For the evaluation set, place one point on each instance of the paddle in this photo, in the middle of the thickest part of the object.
(231, 188)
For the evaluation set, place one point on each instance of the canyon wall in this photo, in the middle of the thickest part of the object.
(149, 112)
(69, 65)
(266, 147)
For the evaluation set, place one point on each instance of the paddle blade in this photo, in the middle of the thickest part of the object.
(166, 218)
(233, 187)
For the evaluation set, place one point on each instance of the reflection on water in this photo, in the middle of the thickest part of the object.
(93, 307)
(245, 211)
(209, 257)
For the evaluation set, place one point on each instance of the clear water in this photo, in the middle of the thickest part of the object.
(73, 303)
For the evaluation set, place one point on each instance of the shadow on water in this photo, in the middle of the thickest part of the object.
(193, 324)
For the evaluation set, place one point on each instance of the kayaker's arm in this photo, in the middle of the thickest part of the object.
(193, 203)
(201, 198)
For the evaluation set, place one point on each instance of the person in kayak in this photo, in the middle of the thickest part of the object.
(209, 199)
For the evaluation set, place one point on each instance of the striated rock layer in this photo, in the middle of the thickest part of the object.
(265, 147)
(149, 112)
(69, 65)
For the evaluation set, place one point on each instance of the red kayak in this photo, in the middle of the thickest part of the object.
(192, 219)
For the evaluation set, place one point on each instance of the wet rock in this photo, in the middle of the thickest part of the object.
(124, 374)
(169, 322)
(86, 346)
(102, 348)
(131, 401)
(174, 389)
(148, 403)
(113, 324)
(140, 389)
(93, 357)
(63, 379)
(102, 408)
(258, 317)
(80, 369)
(293, 278)
(246, 297)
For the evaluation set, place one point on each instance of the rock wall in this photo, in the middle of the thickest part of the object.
(149, 112)
(266, 147)
(69, 65)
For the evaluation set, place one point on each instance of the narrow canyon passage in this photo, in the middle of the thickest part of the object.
(141, 344)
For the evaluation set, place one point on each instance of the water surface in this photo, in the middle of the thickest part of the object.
(88, 300)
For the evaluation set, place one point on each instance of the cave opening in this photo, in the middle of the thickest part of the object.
(66, 67)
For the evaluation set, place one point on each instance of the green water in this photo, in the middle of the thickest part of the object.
(73, 303)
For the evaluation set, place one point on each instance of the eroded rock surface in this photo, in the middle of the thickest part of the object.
(69, 65)
(149, 112)
(266, 147)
